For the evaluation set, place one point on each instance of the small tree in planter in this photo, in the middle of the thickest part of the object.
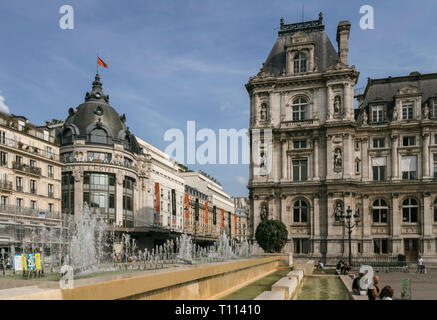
(271, 235)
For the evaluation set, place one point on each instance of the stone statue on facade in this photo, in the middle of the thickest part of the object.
(262, 162)
(365, 118)
(77, 174)
(337, 159)
(263, 112)
(264, 211)
(337, 105)
(338, 211)
(426, 111)
(395, 114)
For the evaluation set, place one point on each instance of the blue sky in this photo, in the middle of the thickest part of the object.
(173, 61)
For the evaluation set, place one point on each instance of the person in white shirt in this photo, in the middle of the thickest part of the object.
(420, 267)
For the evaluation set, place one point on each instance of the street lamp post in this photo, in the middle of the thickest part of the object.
(349, 226)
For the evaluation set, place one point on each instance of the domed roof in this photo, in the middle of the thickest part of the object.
(97, 122)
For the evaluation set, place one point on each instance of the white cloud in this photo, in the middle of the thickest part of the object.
(3, 106)
(241, 180)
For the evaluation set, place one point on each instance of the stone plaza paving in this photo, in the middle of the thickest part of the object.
(423, 286)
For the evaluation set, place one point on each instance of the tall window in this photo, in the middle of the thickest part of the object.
(407, 111)
(98, 136)
(435, 210)
(300, 211)
(50, 172)
(300, 62)
(377, 113)
(3, 159)
(434, 112)
(300, 169)
(33, 186)
(380, 246)
(410, 210)
(299, 109)
(19, 184)
(99, 193)
(380, 210)
(51, 190)
(301, 245)
(409, 168)
(379, 168)
(67, 193)
(67, 137)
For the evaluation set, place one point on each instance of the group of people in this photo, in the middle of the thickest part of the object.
(375, 292)
(344, 267)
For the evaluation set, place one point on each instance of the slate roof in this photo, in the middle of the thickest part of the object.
(324, 53)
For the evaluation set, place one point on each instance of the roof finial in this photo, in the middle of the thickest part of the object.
(320, 16)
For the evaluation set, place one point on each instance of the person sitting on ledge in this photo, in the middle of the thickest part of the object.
(340, 265)
(356, 289)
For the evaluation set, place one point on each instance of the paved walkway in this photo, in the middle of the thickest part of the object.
(423, 286)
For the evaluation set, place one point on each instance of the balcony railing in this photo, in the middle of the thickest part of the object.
(26, 168)
(5, 185)
(29, 149)
(297, 123)
(22, 211)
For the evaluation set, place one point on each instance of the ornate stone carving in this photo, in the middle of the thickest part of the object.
(338, 210)
(120, 177)
(264, 211)
(338, 162)
(77, 174)
(118, 158)
(426, 111)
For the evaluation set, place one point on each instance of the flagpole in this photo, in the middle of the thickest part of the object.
(97, 63)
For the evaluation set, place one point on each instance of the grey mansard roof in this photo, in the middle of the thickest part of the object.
(324, 53)
(384, 90)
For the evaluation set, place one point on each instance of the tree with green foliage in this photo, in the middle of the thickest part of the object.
(271, 235)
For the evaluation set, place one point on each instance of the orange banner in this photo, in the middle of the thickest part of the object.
(223, 217)
(206, 212)
(158, 200)
(235, 221)
(187, 209)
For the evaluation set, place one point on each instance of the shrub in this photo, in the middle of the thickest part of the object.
(271, 235)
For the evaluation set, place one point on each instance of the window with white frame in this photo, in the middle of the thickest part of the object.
(379, 143)
(407, 110)
(300, 62)
(409, 167)
(299, 109)
(377, 113)
(300, 170)
(410, 210)
(379, 168)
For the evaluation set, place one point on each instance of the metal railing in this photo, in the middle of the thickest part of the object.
(22, 211)
(28, 148)
(384, 263)
(6, 185)
(26, 168)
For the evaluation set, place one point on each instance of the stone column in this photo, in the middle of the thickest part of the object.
(78, 193)
(284, 164)
(394, 157)
(348, 156)
(330, 217)
(329, 160)
(396, 224)
(329, 106)
(427, 219)
(365, 158)
(119, 198)
(316, 225)
(426, 158)
(316, 159)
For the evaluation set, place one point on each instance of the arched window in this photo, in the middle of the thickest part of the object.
(299, 109)
(99, 136)
(380, 211)
(410, 210)
(300, 211)
(300, 62)
(67, 136)
(435, 210)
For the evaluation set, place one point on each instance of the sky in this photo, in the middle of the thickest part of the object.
(176, 61)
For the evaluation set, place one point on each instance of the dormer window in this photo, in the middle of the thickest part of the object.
(98, 136)
(407, 111)
(300, 63)
(20, 125)
(377, 114)
(299, 109)
(434, 109)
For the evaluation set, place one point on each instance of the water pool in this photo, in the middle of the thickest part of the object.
(322, 288)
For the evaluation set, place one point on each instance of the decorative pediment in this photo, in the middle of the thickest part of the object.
(408, 90)
(300, 37)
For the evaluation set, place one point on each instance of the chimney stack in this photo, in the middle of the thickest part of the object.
(343, 30)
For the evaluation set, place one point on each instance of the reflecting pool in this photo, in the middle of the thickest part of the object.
(322, 288)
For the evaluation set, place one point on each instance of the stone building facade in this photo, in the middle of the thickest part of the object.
(30, 187)
(314, 155)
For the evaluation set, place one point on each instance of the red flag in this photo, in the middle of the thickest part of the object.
(100, 62)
